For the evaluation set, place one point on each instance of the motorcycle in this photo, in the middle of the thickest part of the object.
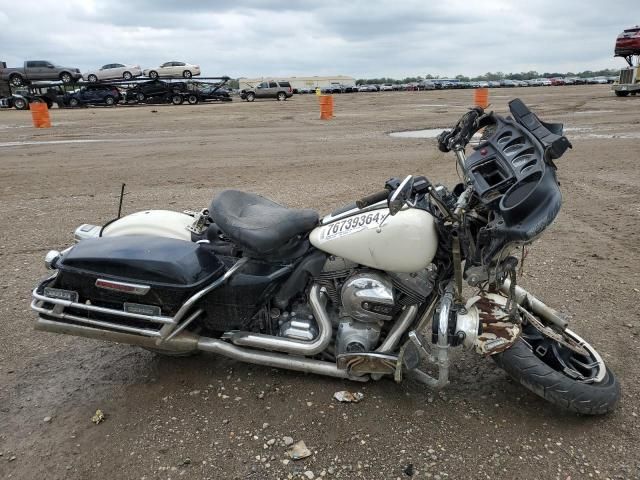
(372, 290)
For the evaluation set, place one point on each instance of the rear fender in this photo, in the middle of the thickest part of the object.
(160, 223)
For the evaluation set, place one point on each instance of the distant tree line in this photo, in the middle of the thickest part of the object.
(491, 76)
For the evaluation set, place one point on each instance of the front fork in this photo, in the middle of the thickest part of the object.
(483, 324)
(537, 306)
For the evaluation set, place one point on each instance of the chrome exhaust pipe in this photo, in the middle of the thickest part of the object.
(296, 347)
(398, 329)
(185, 342)
(524, 298)
(188, 342)
(276, 360)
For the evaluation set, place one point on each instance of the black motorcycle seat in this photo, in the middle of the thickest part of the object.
(258, 224)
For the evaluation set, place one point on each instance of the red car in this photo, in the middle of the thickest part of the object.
(628, 42)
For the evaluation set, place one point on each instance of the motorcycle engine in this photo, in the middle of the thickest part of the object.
(367, 302)
(369, 299)
(364, 300)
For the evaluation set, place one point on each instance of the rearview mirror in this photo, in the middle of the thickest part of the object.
(401, 195)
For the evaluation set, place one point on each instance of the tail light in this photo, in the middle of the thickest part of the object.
(290, 90)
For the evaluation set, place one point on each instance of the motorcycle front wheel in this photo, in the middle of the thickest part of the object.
(578, 382)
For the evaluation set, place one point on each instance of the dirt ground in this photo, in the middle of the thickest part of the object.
(209, 417)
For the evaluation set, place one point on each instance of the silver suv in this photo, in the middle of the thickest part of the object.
(277, 89)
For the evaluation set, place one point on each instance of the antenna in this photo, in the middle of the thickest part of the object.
(121, 198)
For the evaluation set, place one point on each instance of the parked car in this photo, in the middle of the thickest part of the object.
(569, 81)
(277, 89)
(6, 102)
(173, 69)
(113, 71)
(628, 42)
(331, 89)
(205, 93)
(22, 98)
(367, 88)
(426, 85)
(36, 70)
(156, 91)
(557, 81)
(387, 87)
(92, 95)
(494, 84)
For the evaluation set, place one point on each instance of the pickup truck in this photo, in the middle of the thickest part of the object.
(37, 70)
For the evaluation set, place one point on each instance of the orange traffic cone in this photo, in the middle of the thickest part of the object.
(40, 115)
(481, 97)
(326, 107)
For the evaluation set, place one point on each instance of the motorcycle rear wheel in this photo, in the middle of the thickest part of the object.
(548, 375)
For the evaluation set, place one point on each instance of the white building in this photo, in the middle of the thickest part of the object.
(301, 82)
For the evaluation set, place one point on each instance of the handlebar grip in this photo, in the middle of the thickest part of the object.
(468, 125)
(372, 199)
(461, 133)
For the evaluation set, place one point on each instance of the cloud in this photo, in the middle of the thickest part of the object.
(359, 38)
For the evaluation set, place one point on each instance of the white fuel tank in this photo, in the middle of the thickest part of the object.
(161, 223)
(405, 242)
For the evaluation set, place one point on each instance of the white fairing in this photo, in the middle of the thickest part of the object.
(405, 242)
(161, 223)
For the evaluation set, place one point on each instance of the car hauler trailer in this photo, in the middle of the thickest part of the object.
(5, 90)
(629, 80)
(628, 47)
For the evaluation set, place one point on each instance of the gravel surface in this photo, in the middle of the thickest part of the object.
(209, 417)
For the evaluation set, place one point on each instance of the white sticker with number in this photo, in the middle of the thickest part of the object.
(354, 224)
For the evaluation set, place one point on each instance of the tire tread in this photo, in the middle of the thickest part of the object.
(522, 365)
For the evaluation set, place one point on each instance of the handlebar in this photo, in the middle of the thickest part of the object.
(462, 132)
(372, 199)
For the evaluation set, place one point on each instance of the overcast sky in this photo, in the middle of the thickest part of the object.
(361, 38)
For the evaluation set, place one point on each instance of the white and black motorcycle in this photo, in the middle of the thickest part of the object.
(372, 290)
